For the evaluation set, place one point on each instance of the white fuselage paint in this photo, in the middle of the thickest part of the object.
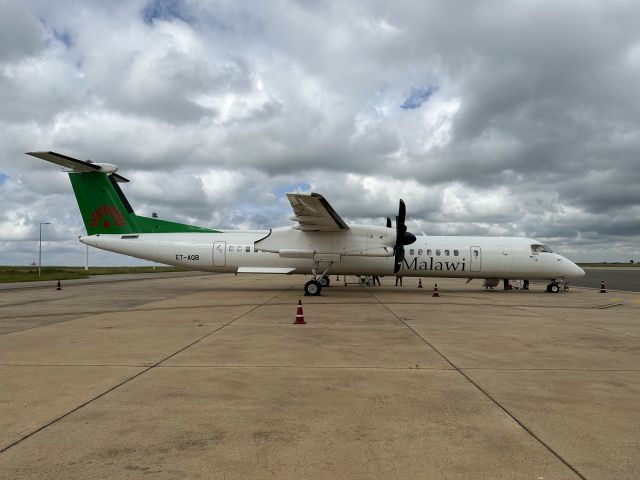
(477, 257)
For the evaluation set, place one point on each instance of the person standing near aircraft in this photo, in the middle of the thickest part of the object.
(398, 279)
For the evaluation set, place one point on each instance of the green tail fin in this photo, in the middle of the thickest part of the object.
(105, 209)
(102, 209)
(103, 206)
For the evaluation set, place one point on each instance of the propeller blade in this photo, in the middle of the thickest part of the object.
(402, 212)
(388, 222)
(399, 258)
(402, 236)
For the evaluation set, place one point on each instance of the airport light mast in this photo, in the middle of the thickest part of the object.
(40, 248)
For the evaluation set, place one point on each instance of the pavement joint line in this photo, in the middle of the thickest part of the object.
(540, 314)
(71, 283)
(304, 367)
(142, 372)
(488, 395)
(44, 325)
(320, 367)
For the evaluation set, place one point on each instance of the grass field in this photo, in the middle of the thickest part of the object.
(30, 274)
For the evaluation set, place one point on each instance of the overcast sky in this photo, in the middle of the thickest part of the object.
(487, 117)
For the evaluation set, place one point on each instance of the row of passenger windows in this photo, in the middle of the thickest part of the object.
(447, 252)
(240, 249)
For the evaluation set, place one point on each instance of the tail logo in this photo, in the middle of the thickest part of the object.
(101, 216)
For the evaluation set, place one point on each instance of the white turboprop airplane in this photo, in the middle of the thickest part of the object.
(319, 243)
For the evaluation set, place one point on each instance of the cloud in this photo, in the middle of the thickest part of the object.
(510, 119)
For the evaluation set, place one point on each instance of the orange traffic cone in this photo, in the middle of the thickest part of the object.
(435, 290)
(419, 283)
(603, 288)
(299, 315)
(59, 287)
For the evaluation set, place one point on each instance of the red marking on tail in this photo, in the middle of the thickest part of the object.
(106, 211)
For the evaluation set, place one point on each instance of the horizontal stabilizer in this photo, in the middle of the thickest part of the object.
(78, 166)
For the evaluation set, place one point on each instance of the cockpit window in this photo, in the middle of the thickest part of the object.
(540, 249)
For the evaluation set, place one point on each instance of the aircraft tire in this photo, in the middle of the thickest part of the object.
(312, 288)
(324, 281)
(553, 288)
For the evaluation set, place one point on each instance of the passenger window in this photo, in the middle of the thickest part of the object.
(438, 252)
(248, 249)
(411, 252)
(429, 252)
(231, 248)
(420, 252)
(447, 253)
(455, 253)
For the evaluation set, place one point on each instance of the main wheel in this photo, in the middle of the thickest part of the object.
(324, 281)
(312, 288)
(553, 288)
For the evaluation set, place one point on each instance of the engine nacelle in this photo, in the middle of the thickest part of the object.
(357, 240)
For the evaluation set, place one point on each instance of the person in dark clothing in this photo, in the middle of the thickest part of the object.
(376, 278)
(398, 279)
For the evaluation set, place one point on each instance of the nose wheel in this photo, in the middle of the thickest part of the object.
(312, 288)
(553, 287)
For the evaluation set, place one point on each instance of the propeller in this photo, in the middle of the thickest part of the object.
(402, 236)
(388, 222)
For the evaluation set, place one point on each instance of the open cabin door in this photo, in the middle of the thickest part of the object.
(219, 254)
(476, 259)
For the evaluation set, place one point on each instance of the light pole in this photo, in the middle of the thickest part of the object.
(40, 248)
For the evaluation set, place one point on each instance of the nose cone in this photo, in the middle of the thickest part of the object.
(571, 269)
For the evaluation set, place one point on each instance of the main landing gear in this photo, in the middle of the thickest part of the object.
(314, 286)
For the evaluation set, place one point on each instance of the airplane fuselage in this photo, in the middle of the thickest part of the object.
(430, 256)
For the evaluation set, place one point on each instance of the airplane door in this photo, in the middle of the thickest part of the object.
(504, 259)
(219, 254)
(476, 259)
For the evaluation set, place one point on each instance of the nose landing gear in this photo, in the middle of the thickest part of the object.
(554, 287)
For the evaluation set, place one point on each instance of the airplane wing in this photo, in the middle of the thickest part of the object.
(313, 213)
